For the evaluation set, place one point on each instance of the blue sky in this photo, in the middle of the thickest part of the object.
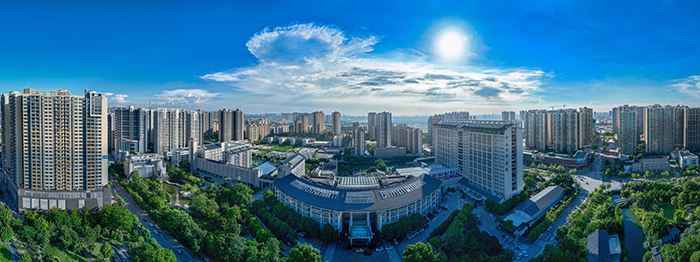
(355, 56)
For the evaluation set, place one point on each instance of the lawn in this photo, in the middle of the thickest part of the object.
(668, 210)
(282, 148)
(63, 254)
(5, 254)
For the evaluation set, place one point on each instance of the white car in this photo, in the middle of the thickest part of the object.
(389, 247)
(379, 249)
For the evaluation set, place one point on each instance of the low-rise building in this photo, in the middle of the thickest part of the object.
(389, 152)
(685, 158)
(448, 175)
(295, 165)
(651, 163)
(601, 247)
(147, 165)
(534, 208)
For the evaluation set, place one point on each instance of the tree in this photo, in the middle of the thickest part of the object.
(304, 253)
(655, 224)
(116, 217)
(328, 233)
(529, 182)
(6, 233)
(204, 206)
(107, 251)
(420, 252)
(238, 195)
(436, 242)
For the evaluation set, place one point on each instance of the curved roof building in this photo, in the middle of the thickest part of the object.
(358, 204)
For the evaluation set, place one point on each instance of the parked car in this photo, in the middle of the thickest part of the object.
(389, 247)
(379, 249)
(360, 250)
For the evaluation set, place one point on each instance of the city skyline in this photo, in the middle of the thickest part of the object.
(307, 57)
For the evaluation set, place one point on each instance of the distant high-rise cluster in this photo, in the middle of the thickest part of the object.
(54, 141)
(563, 130)
(661, 128)
(408, 137)
(508, 115)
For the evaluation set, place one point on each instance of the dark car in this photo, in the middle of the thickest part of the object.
(368, 252)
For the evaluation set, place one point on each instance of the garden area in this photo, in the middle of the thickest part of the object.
(217, 224)
(463, 241)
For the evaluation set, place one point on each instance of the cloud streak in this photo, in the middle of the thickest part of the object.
(688, 86)
(310, 63)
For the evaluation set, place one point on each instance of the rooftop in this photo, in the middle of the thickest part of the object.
(266, 168)
(386, 195)
(494, 125)
(541, 200)
(598, 246)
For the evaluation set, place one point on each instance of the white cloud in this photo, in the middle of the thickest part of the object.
(308, 63)
(184, 97)
(120, 98)
(688, 86)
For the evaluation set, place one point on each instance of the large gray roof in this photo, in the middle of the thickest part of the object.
(541, 200)
(362, 200)
(492, 125)
(598, 246)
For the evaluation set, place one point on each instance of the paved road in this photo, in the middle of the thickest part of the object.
(163, 239)
(14, 255)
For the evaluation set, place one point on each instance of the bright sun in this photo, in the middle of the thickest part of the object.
(451, 45)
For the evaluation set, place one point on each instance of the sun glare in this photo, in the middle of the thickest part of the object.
(451, 45)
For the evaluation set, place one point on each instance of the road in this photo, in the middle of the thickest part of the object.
(162, 238)
(453, 202)
(14, 255)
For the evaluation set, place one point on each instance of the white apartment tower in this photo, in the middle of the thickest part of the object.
(587, 125)
(131, 129)
(169, 130)
(627, 130)
(55, 149)
(564, 127)
(489, 154)
(659, 129)
(536, 129)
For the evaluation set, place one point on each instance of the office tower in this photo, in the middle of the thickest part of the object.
(169, 130)
(564, 130)
(508, 115)
(409, 137)
(372, 125)
(587, 125)
(488, 154)
(318, 125)
(336, 122)
(659, 129)
(679, 125)
(54, 141)
(238, 125)
(225, 125)
(383, 129)
(358, 140)
(193, 126)
(131, 129)
(691, 138)
(627, 134)
(536, 129)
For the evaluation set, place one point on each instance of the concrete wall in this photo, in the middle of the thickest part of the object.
(71, 200)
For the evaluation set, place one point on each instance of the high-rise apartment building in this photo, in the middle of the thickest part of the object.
(55, 149)
(318, 125)
(238, 125)
(587, 125)
(358, 140)
(679, 125)
(372, 125)
(225, 125)
(488, 154)
(564, 130)
(131, 129)
(691, 138)
(383, 129)
(640, 120)
(508, 115)
(627, 130)
(206, 123)
(169, 129)
(408, 137)
(536, 129)
(336, 122)
(193, 127)
(659, 128)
